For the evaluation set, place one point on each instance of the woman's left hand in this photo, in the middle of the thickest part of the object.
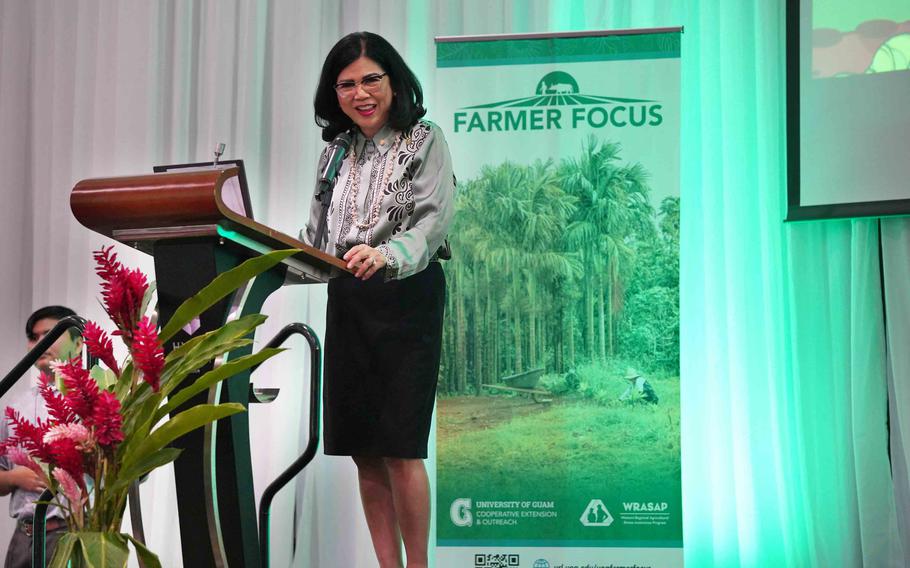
(366, 260)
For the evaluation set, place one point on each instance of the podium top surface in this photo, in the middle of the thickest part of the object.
(198, 203)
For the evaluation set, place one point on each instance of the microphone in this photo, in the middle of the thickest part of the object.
(327, 174)
(219, 150)
(335, 155)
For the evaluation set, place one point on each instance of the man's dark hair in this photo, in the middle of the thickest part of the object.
(48, 312)
(407, 104)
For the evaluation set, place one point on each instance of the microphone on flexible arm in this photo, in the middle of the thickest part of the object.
(335, 154)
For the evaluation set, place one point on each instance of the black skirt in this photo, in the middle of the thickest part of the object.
(382, 348)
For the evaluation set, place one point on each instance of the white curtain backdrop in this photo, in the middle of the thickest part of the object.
(784, 357)
(96, 88)
(895, 242)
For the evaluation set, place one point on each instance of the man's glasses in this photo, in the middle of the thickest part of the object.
(370, 84)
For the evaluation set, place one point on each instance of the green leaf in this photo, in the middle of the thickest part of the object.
(141, 410)
(221, 286)
(197, 352)
(232, 329)
(104, 377)
(126, 476)
(194, 354)
(194, 343)
(147, 297)
(148, 558)
(138, 421)
(64, 550)
(60, 383)
(103, 550)
(213, 377)
(124, 383)
(69, 347)
(186, 421)
(137, 397)
(174, 375)
(178, 373)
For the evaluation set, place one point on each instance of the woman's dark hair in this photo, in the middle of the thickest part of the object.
(407, 104)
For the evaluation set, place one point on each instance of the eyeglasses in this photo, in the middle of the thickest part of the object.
(370, 84)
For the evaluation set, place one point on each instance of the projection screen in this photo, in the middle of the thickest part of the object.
(848, 117)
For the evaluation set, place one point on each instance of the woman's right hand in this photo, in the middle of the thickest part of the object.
(366, 260)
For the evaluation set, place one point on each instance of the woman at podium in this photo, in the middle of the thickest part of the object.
(388, 217)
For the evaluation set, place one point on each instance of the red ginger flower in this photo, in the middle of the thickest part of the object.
(18, 456)
(134, 285)
(107, 420)
(100, 345)
(122, 291)
(70, 487)
(106, 263)
(75, 432)
(65, 453)
(148, 355)
(57, 408)
(81, 390)
(29, 436)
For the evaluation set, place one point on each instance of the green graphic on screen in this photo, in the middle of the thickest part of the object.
(852, 38)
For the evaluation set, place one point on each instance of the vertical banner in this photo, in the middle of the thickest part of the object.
(558, 441)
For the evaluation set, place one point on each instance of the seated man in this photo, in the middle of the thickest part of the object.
(639, 389)
(24, 486)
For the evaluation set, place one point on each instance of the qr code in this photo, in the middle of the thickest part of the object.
(495, 560)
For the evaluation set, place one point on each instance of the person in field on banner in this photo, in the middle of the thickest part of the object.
(390, 211)
(638, 389)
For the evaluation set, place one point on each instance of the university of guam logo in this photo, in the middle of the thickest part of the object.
(460, 512)
(546, 110)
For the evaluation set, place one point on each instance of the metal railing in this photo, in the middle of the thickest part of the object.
(38, 350)
(309, 452)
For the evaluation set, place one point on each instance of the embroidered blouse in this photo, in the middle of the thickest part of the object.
(416, 206)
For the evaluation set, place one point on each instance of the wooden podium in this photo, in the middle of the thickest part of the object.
(193, 223)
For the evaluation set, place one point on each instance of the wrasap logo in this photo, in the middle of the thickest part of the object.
(460, 512)
(558, 104)
(645, 507)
